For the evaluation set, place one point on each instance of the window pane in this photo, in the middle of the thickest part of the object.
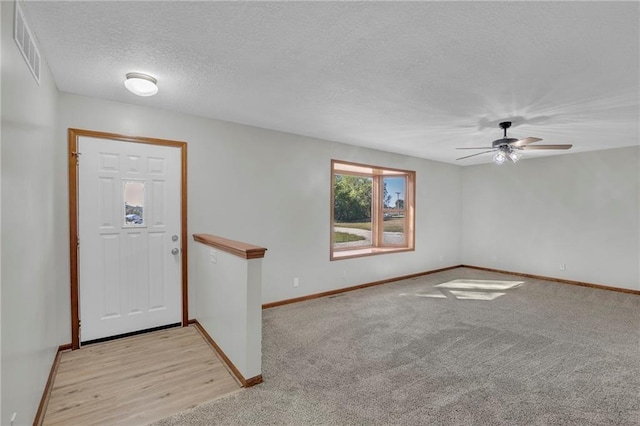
(352, 218)
(393, 230)
(133, 203)
(393, 196)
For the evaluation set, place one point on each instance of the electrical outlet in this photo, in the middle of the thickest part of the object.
(563, 267)
(296, 282)
(213, 256)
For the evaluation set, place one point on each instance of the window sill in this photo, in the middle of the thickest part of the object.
(368, 251)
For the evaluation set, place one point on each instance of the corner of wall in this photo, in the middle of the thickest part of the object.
(557, 216)
(1, 417)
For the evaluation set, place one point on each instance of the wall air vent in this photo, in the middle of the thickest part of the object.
(26, 43)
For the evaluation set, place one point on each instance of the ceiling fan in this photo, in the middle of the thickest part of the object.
(507, 148)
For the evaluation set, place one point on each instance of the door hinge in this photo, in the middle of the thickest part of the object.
(78, 242)
(76, 155)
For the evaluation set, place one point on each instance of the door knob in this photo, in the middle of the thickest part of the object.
(175, 251)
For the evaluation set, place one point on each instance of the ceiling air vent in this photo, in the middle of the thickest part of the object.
(26, 43)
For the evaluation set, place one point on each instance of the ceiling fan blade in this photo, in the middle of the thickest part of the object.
(482, 147)
(525, 141)
(536, 147)
(473, 155)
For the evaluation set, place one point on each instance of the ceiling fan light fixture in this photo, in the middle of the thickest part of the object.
(514, 156)
(499, 157)
(141, 84)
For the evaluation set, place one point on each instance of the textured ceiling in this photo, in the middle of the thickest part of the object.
(417, 78)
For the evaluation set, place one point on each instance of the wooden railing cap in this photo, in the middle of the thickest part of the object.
(237, 248)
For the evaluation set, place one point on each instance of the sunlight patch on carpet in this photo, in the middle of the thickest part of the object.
(480, 284)
(475, 295)
(466, 289)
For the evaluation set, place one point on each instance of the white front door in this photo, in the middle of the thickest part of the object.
(129, 258)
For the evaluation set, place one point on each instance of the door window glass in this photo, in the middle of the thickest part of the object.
(133, 203)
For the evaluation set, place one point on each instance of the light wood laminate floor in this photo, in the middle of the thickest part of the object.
(137, 380)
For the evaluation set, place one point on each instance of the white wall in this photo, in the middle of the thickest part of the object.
(32, 242)
(581, 210)
(272, 189)
(1, 418)
(229, 305)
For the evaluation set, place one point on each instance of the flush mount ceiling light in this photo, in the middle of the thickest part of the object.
(141, 84)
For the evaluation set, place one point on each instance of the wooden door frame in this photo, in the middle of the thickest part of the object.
(74, 134)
